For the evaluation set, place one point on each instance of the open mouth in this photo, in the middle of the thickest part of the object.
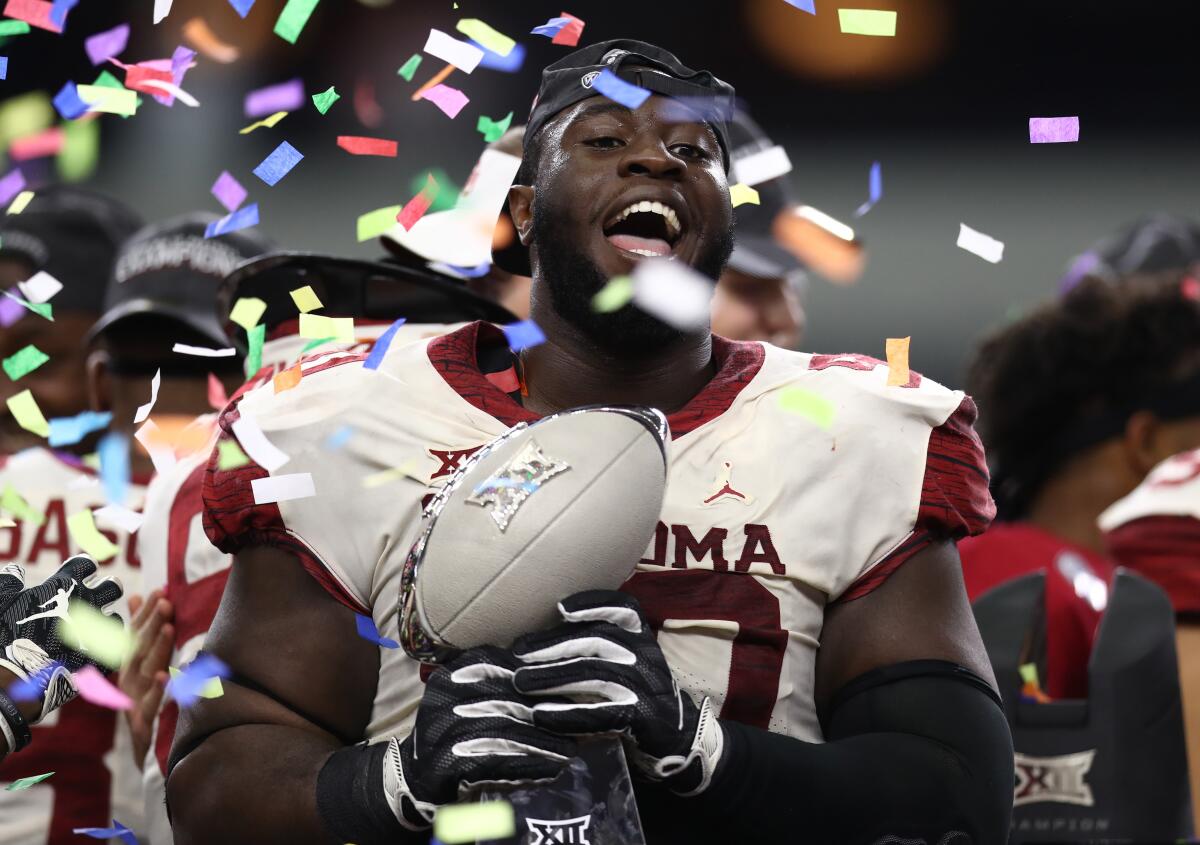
(647, 228)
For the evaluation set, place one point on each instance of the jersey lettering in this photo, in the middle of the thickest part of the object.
(758, 547)
(862, 363)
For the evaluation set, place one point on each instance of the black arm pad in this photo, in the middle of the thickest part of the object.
(352, 803)
(919, 751)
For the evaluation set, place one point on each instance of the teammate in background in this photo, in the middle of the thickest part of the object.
(1078, 401)
(1153, 243)
(73, 235)
(849, 546)
(161, 292)
(1155, 531)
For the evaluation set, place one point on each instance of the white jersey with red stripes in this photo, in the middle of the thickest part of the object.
(87, 747)
(769, 516)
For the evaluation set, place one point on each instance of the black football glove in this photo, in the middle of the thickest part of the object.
(29, 643)
(606, 661)
(472, 727)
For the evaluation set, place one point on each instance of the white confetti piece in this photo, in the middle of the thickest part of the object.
(672, 292)
(464, 56)
(127, 520)
(985, 246)
(280, 488)
(255, 444)
(204, 351)
(143, 411)
(40, 287)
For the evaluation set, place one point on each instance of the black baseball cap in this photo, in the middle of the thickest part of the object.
(72, 234)
(170, 270)
(1150, 244)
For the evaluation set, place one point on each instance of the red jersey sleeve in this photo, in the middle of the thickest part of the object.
(1165, 549)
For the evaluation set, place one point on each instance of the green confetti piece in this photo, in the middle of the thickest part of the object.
(867, 22)
(375, 223)
(484, 35)
(326, 99)
(410, 67)
(230, 455)
(313, 344)
(24, 361)
(293, 18)
(254, 339)
(613, 295)
(24, 783)
(796, 400)
(102, 637)
(1029, 673)
(473, 822)
(13, 27)
(80, 151)
(493, 129)
(11, 501)
(445, 195)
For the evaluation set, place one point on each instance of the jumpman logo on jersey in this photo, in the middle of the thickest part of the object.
(59, 611)
(722, 489)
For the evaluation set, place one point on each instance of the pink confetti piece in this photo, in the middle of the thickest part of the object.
(97, 689)
(228, 191)
(47, 143)
(449, 100)
(1053, 130)
(286, 96)
(104, 45)
(568, 36)
(34, 12)
(416, 207)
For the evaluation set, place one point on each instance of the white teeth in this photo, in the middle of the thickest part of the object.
(666, 211)
(645, 252)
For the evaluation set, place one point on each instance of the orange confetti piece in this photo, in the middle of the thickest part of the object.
(438, 79)
(287, 379)
(198, 35)
(897, 359)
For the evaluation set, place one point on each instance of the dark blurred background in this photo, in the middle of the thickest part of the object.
(944, 106)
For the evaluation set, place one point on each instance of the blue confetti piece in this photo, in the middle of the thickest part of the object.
(523, 334)
(243, 218)
(874, 190)
(65, 431)
(368, 631)
(3, 67)
(113, 451)
(550, 28)
(33, 688)
(242, 7)
(58, 11)
(339, 438)
(505, 64)
(809, 6)
(617, 89)
(381, 346)
(68, 102)
(118, 830)
(186, 687)
(278, 164)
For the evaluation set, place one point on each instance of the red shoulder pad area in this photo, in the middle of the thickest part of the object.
(1165, 549)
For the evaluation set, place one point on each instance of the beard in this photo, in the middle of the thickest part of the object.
(572, 280)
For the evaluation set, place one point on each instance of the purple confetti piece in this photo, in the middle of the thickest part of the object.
(242, 7)
(449, 100)
(69, 103)
(1053, 130)
(381, 346)
(803, 5)
(550, 28)
(278, 164)
(104, 45)
(118, 830)
(228, 191)
(11, 185)
(523, 334)
(187, 686)
(505, 64)
(874, 190)
(618, 90)
(1080, 267)
(243, 218)
(10, 311)
(286, 96)
(368, 631)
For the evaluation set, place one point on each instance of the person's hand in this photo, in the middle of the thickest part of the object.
(606, 661)
(144, 676)
(472, 727)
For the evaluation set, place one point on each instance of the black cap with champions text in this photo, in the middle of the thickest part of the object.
(569, 80)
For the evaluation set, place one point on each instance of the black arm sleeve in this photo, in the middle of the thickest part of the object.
(918, 751)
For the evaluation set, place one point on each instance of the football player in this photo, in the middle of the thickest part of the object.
(1079, 400)
(777, 536)
(161, 292)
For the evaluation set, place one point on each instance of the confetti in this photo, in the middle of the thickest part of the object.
(366, 107)
(21, 202)
(28, 415)
(199, 679)
(143, 411)
(375, 223)
(256, 445)
(254, 343)
(139, 76)
(228, 191)
(505, 64)
(96, 634)
(410, 67)
(24, 361)
(287, 379)
(439, 77)
(740, 194)
(306, 299)
(41, 286)
(293, 18)
(34, 12)
(325, 100)
(367, 146)
(173, 90)
(13, 28)
(1053, 130)
(369, 632)
(68, 103)
(3, 67)
(874, 189)
(122, 517)
(151, 438)
(241, 219)
(267, 123)
(197, 33)
(12, 502)
(10, 310)
(617, 293)
(485, 36)
(113, 451)
(162, 8)
(867, 22)
(462, 55)
(674, 293)
(247, 311)
(67, 431)
(805, 403)
(24, 783)
(242, 7)
(204, 351)
(897, 360)
(617, 89)
(803, 5)
(101, 98)
(104, 45)
(80, 151)
(217, 397)
(42, 309)
(83, 529)
(565, 30)
(379, 350)
(318, 326)
(474, 822)
(493, 129)
(281, 488)
(285, 96)
(278, 164)
(985, 246)
(416, 207)
(340, 437)
(449, 100)
(11, 184)
(118, 830)
(523, 334)
(230, 455)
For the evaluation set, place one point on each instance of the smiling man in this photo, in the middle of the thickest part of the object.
(816, 673)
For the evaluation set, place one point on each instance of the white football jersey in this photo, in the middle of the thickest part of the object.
(768, 516)
(87, 747)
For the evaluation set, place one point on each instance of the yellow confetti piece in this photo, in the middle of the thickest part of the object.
(22, 200)
(102, 98)
(230, 455)
(375, 223)
(12, 502)
(897, 359)
(268, 122)
(28, 415)
(740, 194)
(613, 295)
(81, 149)
(87, 630)
(306, 299)
(485, 36)
(27, 114)
(805, 403)
(83, 528)
(1029, 673)
(247, 311)
(316, 326)
(211, 689)
(472, 822)
(389, 475)
(867, 22)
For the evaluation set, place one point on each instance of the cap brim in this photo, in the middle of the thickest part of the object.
(206, 325)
